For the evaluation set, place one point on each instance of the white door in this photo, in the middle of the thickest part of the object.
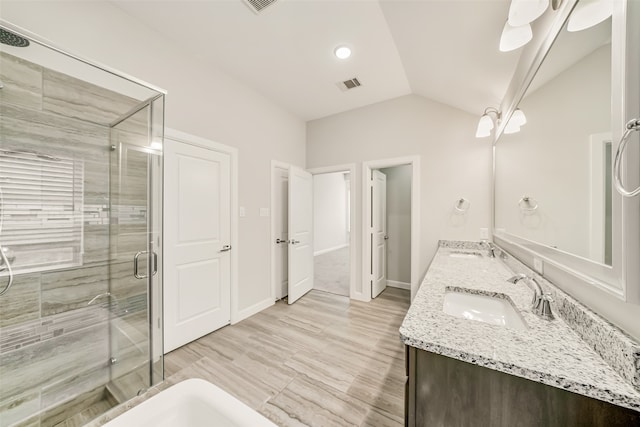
(197, 242)
(378, 233)
(300, 233)
(281, 218)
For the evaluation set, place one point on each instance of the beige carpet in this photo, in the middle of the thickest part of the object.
(331, 272)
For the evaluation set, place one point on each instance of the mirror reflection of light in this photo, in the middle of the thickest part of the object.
(514, 37)
(589, 13)
(511, 128)
(522, 12)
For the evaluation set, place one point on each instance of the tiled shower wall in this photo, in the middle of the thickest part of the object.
(52, 345)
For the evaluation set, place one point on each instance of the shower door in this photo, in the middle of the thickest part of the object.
(135, 252)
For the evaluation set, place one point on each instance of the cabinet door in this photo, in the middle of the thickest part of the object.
(449, 392)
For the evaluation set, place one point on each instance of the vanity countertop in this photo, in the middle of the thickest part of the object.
(549, 352)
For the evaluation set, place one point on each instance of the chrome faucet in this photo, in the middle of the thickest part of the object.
(491, 248)
(540, 304)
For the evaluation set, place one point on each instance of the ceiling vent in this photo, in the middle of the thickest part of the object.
(258, 5)
(349, 84)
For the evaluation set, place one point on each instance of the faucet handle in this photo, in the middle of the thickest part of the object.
(543, 308)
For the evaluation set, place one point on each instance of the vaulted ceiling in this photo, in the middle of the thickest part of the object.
(445, 50)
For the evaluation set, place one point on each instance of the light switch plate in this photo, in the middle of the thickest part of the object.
(264, 211)
(484, 234)
(538, 265)
(243, 212)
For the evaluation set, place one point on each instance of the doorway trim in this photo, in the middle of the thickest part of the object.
(367, 168)
(353, 265)
(198, 141)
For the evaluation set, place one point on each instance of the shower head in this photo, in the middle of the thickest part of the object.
(12, 39)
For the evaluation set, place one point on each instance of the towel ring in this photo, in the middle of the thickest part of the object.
(527, 204)
(632, 125)
(462, 205)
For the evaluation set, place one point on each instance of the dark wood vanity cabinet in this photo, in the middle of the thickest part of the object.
(445, 392)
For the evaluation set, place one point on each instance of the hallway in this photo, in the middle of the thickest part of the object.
(331, 272)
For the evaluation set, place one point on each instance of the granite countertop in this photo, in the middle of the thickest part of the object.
(549, 352)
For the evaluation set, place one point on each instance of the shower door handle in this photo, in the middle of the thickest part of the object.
(135, 265)
(155, 264)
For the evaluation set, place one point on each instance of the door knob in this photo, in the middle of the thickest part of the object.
(293, 241)
(225, 248)
(386, 237)
(280, 241)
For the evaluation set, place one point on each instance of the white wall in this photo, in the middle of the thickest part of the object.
(329, 212)
(399, 223)
(201, 100)
(454, 163)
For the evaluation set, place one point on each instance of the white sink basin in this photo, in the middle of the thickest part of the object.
(496, 311)
(464, 255)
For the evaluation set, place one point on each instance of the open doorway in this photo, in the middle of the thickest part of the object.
(398, 226)
(332, 229)
(283, 238)
(390, 225)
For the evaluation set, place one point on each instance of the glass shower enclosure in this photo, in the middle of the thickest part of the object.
(80, 235)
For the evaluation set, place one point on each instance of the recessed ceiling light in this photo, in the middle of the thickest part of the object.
(342, 52)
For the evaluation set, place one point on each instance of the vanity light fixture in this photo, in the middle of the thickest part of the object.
(514, 37)
(518, 117)
(517, 30)
(589, 13)
(485, 125)
(522, 12)
(511, 128)
(342, 52)
(516, 120)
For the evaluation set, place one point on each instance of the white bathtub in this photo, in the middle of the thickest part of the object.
(191, 403)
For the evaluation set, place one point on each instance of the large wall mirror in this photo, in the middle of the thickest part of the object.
(553, 181)
(553, 188)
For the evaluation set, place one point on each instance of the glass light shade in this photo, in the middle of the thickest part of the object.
(514, 37)
(511, 127)
(518, 118)
(342, 52)
(522, 12)
(589, 13)
(484, 126)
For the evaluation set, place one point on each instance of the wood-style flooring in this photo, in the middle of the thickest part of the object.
(323, 361)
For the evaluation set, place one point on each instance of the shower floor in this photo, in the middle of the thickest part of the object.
(87, 414)
(75, 412)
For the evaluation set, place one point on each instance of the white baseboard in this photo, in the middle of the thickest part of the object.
(400, 285)
(254, 309)
(335, 248)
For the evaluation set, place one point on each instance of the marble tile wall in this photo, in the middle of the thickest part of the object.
(53, 347)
